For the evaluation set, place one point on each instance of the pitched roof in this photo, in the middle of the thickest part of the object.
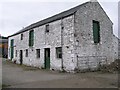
(54, 18)
(50, 19)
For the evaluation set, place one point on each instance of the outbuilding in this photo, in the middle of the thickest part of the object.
(80, 38)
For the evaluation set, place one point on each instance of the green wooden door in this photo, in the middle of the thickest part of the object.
(12, 48)
(47, 58)
(96, 31)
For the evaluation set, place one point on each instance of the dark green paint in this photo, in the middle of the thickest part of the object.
(96, 31)
(47, 58)
(31, 38)
(12, 48)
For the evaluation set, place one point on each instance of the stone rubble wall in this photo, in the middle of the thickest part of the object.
(90, 62)
(115, 47)
(84, 43)
(44, 40)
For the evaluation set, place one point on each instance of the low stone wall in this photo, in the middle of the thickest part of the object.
(91, 63)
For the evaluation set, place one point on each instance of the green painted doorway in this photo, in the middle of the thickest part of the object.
(12, 48)
(47, 58)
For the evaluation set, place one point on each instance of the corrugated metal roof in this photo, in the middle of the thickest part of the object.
(50, 19)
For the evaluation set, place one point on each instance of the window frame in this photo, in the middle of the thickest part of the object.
(59, 52)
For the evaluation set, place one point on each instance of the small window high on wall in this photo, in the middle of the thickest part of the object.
(47, 28)
(21, 36)
(96, 31)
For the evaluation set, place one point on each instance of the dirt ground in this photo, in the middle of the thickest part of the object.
(16, 76)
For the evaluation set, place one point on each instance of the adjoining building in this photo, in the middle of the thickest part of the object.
(3, 47)
(77, 39)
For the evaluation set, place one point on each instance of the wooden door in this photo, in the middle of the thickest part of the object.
(47, 58)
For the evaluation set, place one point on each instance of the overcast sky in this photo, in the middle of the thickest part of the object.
(16, 14)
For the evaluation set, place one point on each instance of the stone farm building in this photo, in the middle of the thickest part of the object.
(80, 38)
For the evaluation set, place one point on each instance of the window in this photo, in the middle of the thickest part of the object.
(38, 53)
(26, 54)
(21, 36)
(96, 31)
(59, 52)
(31, 38)
(47, 28)
(16, 53)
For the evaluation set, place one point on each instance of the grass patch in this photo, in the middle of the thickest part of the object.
(5, 86)
(111, 68)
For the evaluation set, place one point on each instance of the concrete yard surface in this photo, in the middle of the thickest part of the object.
(16, 76)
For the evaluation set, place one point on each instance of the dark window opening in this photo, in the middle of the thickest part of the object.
(26, 54)
(96, 31)
(59, 52)
(21, 36)
(38, 53)
(47, 28)
(16, 53)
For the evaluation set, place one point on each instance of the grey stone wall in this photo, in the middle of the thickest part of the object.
(115, 47)
(47, 40)
(90, 63)
(85, 45)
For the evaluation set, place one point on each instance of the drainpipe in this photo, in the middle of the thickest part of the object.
(62, 27)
